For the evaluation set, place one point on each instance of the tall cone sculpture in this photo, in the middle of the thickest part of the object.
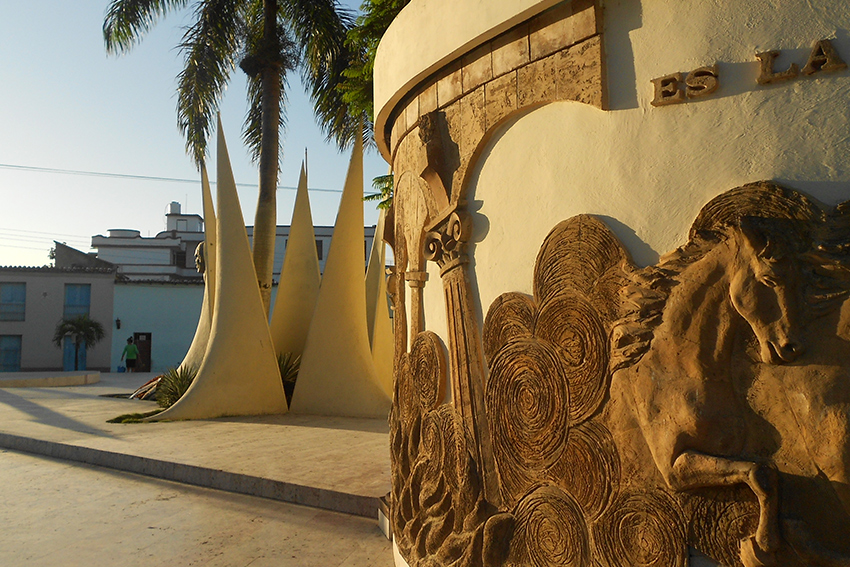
(299, 279)
(239, 373)
(198, 348)
(337, 375)
(377, 311)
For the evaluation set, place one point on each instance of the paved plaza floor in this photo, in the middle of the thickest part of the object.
(67, 512)
(61, 514)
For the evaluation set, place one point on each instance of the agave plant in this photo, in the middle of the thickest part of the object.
(173, 384)
(289, 366)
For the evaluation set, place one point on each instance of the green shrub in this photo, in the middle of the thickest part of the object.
(133, 417)
(288, 366)
(173, 384)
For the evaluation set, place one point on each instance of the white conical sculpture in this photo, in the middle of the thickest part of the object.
(195, 354)
(378, 321)
(337, 375)
(239, 373)
(299, 279)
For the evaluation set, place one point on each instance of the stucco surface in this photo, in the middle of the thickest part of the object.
(647, 171)
(239, 373)
(198, 348)
(45, 296)
(337, 375)
(299, 279)
(378, 322)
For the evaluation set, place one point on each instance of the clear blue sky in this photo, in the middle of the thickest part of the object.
(65, 105)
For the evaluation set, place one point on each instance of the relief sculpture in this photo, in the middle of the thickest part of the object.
(639, 415)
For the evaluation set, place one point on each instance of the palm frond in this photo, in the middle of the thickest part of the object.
(252, 132)
(127, 21)
(384, 184)
(211, 46)
(319, 28)
(82, 329)
(256, 56)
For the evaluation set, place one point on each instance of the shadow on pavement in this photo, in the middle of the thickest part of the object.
(48, 416)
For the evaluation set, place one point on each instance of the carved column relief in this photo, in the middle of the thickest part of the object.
(445, 244)
(435, 136)
(412, 207)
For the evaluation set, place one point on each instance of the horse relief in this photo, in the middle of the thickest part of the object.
(645, 416)
(690, 391)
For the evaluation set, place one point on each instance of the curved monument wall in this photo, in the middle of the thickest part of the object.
(649, 168)
(622, 281)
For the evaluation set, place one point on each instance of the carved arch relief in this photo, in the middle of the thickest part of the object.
(636, 414)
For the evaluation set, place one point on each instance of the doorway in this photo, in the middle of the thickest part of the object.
(143, 343)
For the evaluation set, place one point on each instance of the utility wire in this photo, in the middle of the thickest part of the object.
(36, 169)
(39, 232)
(22, 247)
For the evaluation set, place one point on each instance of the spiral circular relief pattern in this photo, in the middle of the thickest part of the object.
(606, 297)
(571, 322)
(443, 441)
(641, 529)
(510, 316)
(576, 253)
(527, 401)
(428, 368)
(550, 530)
(590, 467)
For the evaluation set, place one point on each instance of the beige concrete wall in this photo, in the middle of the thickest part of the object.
(650, 169)
(45, 301)
(647, 170)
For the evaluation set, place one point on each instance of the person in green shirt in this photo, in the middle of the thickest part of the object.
(131, 351)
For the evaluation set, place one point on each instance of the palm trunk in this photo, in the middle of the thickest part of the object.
(76, 355)
(265, 220)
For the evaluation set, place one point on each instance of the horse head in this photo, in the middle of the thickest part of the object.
(766, 285)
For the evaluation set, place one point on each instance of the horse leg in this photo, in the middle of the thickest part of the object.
(692, 469)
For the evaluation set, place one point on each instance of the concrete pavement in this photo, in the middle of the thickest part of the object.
(57, 513)
(340, 464)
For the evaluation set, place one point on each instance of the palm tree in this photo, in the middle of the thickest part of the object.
(383, 184)
(83, 330)
(267, 39)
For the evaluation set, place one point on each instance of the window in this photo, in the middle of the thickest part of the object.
(178, 258)
(77, 300)
(319, 248)
(13, 300)
(10, 353)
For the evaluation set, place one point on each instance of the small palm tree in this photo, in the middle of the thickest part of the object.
(83, 330)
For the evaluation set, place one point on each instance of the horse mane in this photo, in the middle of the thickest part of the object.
(644, 298)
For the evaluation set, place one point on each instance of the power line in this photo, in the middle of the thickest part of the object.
(35, 240)
(32, 168)
(39, 232)
(22, 247)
